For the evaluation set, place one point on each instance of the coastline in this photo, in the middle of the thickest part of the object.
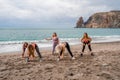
(104, 65)
(14, 38)
(72, 46)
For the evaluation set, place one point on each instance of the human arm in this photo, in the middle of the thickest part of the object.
(90, 39)
(82, 40)
(48, 38)
(23, 50)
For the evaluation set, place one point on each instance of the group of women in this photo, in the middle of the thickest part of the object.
(29, 49)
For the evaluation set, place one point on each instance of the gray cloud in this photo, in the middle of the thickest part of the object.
(52, 10)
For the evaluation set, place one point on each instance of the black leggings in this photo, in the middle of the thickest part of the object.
(68, 48)
(37, 50)
(89, 46)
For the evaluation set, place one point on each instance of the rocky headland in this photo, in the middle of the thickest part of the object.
(101, 20)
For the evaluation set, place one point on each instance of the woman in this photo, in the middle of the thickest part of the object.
(28, 52)
(86, 40)
(37, 49)
(55, 41)
(30, 49)
(61, 49)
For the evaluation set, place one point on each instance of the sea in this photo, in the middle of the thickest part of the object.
(12, 39)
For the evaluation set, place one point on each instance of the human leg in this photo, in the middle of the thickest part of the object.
(54, 45)
(37, 50)
(68, 48)
(83, 48)
(90, 49)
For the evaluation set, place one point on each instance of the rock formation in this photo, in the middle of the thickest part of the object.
(80, 23)
(103, 20)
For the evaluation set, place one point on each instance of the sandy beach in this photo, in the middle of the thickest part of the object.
(105, 65)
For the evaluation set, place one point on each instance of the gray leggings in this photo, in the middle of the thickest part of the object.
(54, 45)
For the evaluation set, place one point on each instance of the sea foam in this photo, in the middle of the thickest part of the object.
(10, 46)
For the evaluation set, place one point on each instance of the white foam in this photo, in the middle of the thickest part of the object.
(18, 47)
(99, 39)
(11, 46)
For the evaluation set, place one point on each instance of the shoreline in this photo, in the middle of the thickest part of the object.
(6, 47)
(50, 48)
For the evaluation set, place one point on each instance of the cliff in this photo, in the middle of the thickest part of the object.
(80, 23)
(103, 20)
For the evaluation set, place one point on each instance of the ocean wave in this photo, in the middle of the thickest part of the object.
(95, 38)
(21, 42)
(106, 38)
(10, 46)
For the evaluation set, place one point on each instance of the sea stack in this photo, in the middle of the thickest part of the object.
(103, 20)
(80, 23)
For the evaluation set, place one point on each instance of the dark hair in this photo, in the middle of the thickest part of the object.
(85, 36)
(54, 34)
(25, 44)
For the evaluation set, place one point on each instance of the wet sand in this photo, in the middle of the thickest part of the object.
(105, 65)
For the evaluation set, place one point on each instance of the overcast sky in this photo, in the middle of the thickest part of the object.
(50, 13)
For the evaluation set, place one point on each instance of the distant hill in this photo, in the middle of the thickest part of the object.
(101, 20)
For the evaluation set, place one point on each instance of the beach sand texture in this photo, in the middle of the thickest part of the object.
(105, 65)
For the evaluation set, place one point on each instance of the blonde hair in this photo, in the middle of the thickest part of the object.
(60, 48)
(31, 50)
